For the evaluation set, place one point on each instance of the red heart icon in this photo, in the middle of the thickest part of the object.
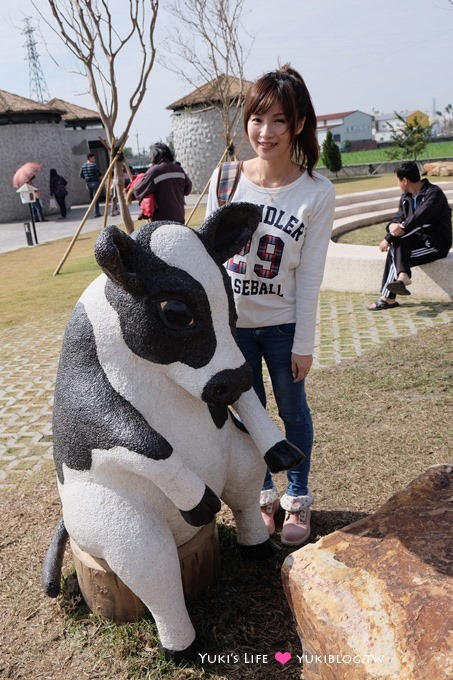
(282, 657)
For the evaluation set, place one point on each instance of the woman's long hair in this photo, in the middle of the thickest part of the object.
(287, 87)
(161, 152)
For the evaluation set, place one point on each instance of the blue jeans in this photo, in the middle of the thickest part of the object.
(92, 188)
(38, 214)
(274, 345)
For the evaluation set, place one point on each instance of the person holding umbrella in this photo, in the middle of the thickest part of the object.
(26, 173)
(38, 213)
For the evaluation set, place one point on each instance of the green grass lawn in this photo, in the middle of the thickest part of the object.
(432, 150)
(371, 235)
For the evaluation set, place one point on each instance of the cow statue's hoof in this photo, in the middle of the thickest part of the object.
(283, 456)
(204, 512)
(181, 657)
(260, 551)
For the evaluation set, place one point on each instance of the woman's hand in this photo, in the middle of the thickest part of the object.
(384, 245)
(300, 366)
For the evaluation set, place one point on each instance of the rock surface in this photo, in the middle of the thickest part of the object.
(374, 599)
(439, 168)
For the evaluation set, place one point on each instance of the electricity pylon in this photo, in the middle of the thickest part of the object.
(38, 87)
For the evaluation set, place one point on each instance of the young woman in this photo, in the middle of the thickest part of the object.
(277, 276)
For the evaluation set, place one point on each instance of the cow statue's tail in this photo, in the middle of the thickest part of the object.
(51, 568)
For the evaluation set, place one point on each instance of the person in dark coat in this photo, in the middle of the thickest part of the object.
(57, 188)
(419, 233)
(168, 182)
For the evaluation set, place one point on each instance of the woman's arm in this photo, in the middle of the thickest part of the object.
(310, 270)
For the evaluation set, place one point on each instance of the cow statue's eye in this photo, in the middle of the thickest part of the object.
(176, 314)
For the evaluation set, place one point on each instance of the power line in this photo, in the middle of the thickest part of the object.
(38, 85)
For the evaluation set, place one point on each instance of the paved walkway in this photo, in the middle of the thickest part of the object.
(29, 357)
(12, 235)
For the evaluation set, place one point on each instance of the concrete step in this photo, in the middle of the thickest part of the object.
(387, 205)
(342, 224)
(359, 269)
(384, 207)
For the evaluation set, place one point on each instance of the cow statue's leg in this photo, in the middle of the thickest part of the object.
(278, 453)
(139, 547)
(241, 493)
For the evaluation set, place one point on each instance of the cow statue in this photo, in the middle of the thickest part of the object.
(145, 444)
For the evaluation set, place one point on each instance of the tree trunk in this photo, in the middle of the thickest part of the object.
(122, 202)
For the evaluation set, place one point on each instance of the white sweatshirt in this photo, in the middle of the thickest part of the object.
(279, 280)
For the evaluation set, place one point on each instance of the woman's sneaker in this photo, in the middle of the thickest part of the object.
(269, 504)
(268, 513)
(296, 527)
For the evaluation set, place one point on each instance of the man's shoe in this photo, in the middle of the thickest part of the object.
(267, 513)
(296, 527)
(398, 288)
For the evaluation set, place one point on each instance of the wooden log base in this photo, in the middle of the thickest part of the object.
(106, 595)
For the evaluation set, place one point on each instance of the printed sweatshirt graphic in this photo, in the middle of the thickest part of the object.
(279, 281)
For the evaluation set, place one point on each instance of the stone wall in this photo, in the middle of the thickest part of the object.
(54, 146)
(198, 140)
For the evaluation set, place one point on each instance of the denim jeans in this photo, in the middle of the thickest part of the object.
(92, 188)
(274, 345)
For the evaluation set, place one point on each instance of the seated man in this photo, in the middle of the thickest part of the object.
(420, 233)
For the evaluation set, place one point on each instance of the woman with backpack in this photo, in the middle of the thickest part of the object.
(57, 188)
(276, 278)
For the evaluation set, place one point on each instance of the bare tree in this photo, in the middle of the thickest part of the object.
(206, 43)
(99, 42)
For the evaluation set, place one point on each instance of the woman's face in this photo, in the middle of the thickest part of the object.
(269, 133)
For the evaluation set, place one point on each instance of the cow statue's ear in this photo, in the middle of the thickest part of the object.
(116, 253)
(228, 229)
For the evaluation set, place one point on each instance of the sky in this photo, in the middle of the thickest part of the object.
(375, 57)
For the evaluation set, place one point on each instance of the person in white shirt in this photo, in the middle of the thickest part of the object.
(277, 276)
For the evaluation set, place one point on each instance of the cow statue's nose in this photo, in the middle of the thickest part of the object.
(227, 386)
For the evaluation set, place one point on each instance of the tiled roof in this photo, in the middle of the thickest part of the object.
(209, 93)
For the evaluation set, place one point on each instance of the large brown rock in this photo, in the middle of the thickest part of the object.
(374, 599)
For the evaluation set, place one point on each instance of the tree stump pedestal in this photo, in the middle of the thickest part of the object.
(106, 595)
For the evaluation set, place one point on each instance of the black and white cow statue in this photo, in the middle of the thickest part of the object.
(144, 442)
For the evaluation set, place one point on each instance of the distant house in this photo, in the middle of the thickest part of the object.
(57, 134)
(385, 124)
(347, 126)
(198, 131)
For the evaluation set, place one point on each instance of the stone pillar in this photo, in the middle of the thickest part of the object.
(374, 600)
